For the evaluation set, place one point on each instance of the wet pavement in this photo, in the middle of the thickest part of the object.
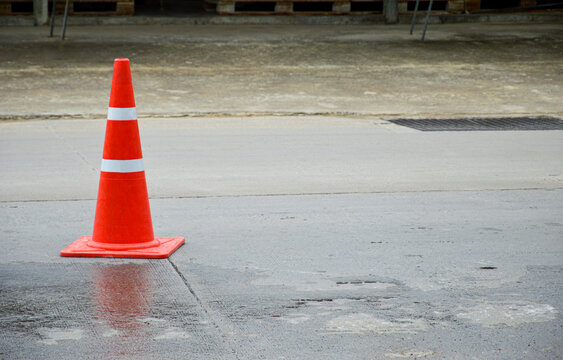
(467, 268)
(441, 275)
(334, 236)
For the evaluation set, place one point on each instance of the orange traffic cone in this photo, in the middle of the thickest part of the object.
(122, 225)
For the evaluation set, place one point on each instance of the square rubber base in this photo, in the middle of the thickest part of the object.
(167, 246)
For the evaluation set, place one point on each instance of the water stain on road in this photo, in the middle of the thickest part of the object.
(54, 336)
(366, 323)
(507, 314)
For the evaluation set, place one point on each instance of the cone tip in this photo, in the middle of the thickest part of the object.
(121, 64)
(121, 94)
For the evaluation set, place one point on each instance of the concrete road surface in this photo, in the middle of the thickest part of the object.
(277, 156)
(315, 228)
(307, 238)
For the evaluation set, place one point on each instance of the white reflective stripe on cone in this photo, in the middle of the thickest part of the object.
(122, 166)
(115, 113)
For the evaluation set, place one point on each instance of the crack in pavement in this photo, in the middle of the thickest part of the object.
(72, 148)
(296, 194)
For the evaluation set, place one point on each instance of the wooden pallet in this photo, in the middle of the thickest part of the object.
(76, 8)
(302, 7)
(474, 5)
(328, 7)
(335, 7)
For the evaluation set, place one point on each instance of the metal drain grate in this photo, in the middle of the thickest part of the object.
(482, 124)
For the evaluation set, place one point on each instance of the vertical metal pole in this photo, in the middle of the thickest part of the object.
(414, 15)
(427, 17)
(64, 19)
(53, 10)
